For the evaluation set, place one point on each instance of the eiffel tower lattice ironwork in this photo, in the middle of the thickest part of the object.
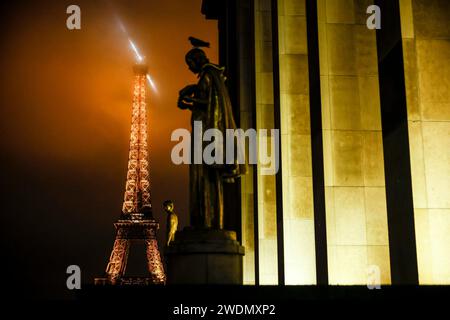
(136, 223)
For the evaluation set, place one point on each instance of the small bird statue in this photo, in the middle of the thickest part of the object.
(172, 221)
(198, 43)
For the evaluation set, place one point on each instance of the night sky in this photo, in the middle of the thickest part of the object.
(65, 119)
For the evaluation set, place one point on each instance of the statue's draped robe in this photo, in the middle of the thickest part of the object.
(213, 109)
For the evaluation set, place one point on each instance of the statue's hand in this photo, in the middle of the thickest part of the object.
(187, 99)
(188, 90)
(182, 104)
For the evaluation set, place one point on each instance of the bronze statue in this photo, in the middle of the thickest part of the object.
(210, 103)
(172, 221)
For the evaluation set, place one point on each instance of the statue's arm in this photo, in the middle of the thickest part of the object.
(182, 104)
(203, 91)
(184, 95)
(196, 100)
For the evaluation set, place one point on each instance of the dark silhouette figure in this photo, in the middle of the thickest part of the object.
(210, 104)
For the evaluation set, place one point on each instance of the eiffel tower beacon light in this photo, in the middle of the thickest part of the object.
(136, 223)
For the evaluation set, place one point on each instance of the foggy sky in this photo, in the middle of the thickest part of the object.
(65, 103)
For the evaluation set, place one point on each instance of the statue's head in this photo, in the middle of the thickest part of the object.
(168, 205)
(196, 59)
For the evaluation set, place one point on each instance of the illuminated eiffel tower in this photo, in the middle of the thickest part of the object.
(136, 223)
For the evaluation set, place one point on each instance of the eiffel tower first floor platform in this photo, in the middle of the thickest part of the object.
(130, 232)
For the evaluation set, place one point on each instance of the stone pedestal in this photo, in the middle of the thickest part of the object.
(204, 257)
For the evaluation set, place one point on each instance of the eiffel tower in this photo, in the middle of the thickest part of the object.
(136, 223)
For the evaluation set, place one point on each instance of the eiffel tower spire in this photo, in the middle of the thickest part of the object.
(136, 223)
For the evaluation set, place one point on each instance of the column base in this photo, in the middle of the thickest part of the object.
(204, 256)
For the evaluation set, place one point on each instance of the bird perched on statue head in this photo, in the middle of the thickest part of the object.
(198, 43)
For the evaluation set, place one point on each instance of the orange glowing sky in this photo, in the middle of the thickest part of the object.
(65, 121)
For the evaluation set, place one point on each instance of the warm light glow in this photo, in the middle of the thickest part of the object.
(151, 83)
(355, 194)
(136, 51)
(137, 189)
(266, 189)
(140, 58)
(138, 55)
(298, 215)
(425, 53)
(121, 26)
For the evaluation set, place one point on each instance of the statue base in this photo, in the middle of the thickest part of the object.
(204, 256)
